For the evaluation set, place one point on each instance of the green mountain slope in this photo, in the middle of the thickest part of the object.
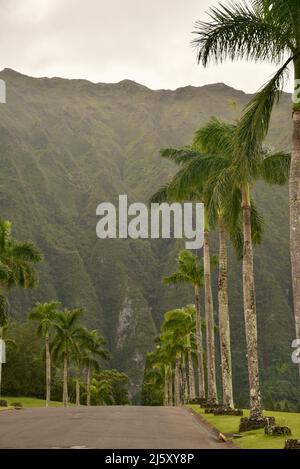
(66, 146)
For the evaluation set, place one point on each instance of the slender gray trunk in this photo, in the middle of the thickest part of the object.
(78, 388)
(250, 309)
(295, 219)
(224, 326)
(177, 381)
(199, 344)
(171, 403)
(65, 382)
(185, 389)
(210, 325)
(192, 387)
(48, 371)
(88, 387)
(166, 390)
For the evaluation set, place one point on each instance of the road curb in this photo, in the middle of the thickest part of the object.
(214, 431)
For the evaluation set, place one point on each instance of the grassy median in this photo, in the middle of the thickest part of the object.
(255, 439)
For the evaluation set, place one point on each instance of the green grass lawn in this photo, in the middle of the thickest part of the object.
(29, 402)
(254, 439)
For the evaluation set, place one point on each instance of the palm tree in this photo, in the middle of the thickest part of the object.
(261, 30)
(45, 314)
(17, 261)
(191, 270)
(94, 351)
(160, 364)
(66, 342)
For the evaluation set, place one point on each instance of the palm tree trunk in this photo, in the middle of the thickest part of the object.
(250, 308)
(78, 388)
(171, 403)
(166, 390)
(224, 327)
(65, 384)
(88, 387)
(185, 389)
(192, 387)
(295, 216)
(48, 371)
(177, 381)
(199, 344)
(210, 324)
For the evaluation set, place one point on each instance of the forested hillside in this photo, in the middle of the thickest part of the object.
(66, 146)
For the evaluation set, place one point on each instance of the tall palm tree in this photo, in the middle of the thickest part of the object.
(45, 314)
(94, 351)
(191, 270)
(66, 342)
(261, 30)
(160, 363)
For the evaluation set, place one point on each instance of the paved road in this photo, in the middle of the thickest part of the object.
(105, 427)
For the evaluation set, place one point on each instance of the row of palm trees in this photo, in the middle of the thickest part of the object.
(68, 343)
(260, 30)
(209, 171)
(172, 362)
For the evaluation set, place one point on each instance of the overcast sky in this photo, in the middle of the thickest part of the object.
(147, 41)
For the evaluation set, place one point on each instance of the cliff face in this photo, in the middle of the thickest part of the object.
(66, 146)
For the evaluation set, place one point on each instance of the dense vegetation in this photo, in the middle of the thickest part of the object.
(24, 373)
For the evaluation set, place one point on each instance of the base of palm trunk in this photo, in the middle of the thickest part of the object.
(212, 408)
(292, 444)
(198, 401)
(255, 423)
(229, 411)
(275, 430)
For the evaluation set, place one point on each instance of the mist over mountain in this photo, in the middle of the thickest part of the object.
(68, 145)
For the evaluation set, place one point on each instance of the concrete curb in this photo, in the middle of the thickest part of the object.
(214, 431)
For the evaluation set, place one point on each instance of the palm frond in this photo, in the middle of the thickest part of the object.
(179, 156)
(176, 278)
(254, 124)
(238, 30)
(275, 168)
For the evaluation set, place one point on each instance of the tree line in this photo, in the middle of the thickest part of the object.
(66, 343)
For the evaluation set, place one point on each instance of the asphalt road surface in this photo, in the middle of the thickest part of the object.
(125, 427)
